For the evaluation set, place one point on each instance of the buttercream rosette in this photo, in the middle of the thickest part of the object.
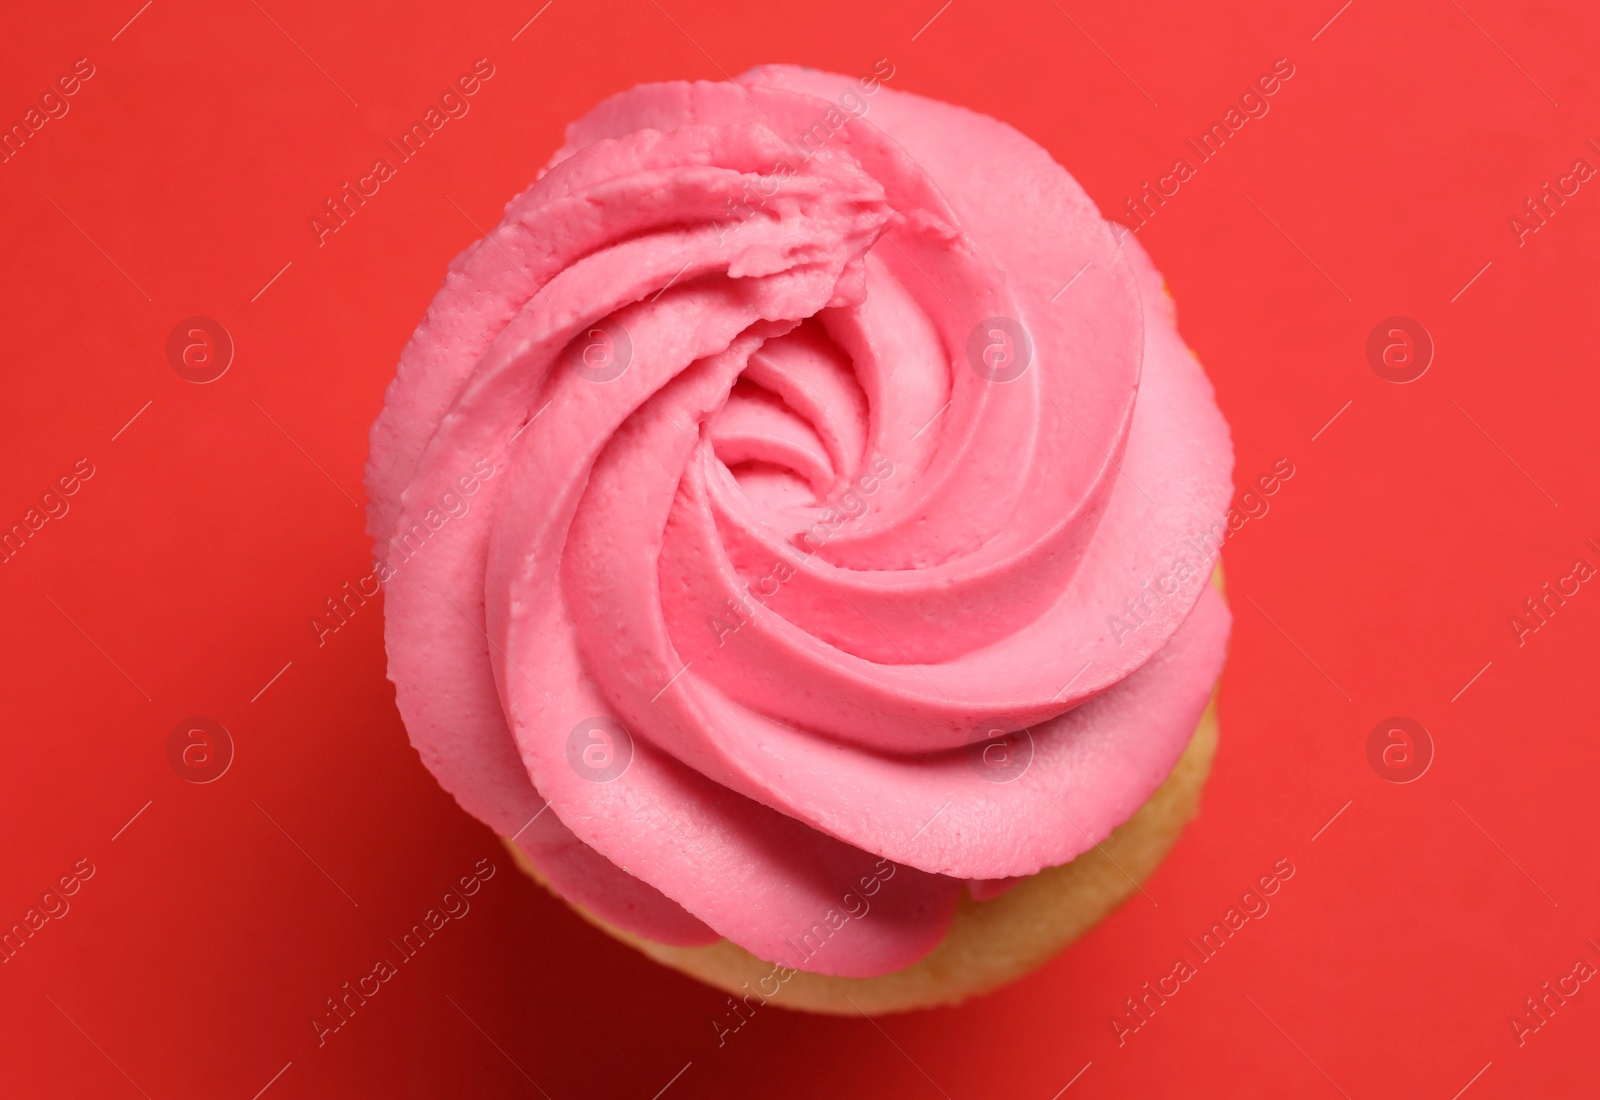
(785, 498)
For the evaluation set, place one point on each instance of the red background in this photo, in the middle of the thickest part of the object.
(218, 522)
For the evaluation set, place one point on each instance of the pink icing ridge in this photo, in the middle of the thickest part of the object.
(666, 549)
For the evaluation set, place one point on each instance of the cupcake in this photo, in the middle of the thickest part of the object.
(797, 518)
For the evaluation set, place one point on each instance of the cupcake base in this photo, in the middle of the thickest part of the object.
(990, 942)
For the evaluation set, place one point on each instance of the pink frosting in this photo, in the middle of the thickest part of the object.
(780, 513)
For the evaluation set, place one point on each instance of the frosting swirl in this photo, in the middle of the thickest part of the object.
(827, 457)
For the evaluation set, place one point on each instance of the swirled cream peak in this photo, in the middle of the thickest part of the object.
(833, 435)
